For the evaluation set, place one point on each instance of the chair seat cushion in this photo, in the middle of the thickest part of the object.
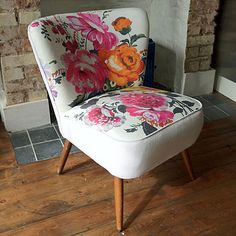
(134, 113)
(131, 131)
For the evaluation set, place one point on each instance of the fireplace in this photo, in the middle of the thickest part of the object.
(181, 29)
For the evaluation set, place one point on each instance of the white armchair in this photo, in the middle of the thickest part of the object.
(93, 65)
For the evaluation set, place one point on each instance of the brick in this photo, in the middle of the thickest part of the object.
(8, 32)
(18, 60)
(7, 19)
(205, 64)
(26, 4)
(201, 28)
(34, 95)
(18, 85)
(7, 5)
(206, 50)
(22, 30)
(201, 18)
(204, 4)
(208, 28)
(24, 84)
(194, 29)
(21, 76)
(16, 97)
(25, 96)
(192, 52)
(26, 17)
(37, 83)
(191, 66)
(13, 74)
(32, 71)
(194, 18)
(203, 11)
(25, 46)
(16, 46)
(10, 47)
(200, 40)
(208, 18)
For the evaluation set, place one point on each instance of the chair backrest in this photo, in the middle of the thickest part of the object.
(86, 53)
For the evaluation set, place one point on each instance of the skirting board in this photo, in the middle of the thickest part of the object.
(26, 115)
(226, 87)
(199, 83)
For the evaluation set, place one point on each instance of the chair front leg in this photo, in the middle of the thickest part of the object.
(64, 155)
(187, 162)
(118, 189)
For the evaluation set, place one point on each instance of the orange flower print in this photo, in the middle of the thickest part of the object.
(122, 24)
(124, 64)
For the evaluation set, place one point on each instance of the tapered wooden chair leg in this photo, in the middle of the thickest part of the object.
(64, 155)
(187, 162)
(118, 187)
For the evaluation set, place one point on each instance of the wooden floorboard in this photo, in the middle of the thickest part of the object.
(34, 200)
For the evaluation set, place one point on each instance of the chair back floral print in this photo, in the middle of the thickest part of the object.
(96, 52)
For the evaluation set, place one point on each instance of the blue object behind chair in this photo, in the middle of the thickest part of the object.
(149, 75)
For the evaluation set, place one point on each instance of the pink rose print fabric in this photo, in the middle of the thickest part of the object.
(133, 114)
(85, 71)
(90, 53)
(94, 29)
(104, 117)
(143, 100)
(150, 107)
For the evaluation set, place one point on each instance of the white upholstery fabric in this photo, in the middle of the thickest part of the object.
(132, 159)
(84, 55)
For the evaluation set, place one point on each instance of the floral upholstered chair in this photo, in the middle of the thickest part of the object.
(93, 65)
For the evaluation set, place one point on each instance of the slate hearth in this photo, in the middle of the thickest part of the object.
(38, 144)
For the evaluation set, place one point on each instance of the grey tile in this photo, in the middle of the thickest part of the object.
(204, 102)
(24, 155)
(74, 149)
(48, 149)
(213, 98)
(229, 109)
(58, 131)
(19, 139)
(206, 119)
(43, 134)
(213, 113)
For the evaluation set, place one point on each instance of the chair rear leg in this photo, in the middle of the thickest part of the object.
(64, 155)
(118, 189)
(187, 162)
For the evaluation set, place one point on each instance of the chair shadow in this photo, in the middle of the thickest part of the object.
(79, 166)
(182, 179)
(141, 206)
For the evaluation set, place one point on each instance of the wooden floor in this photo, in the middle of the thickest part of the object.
(34, 200)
